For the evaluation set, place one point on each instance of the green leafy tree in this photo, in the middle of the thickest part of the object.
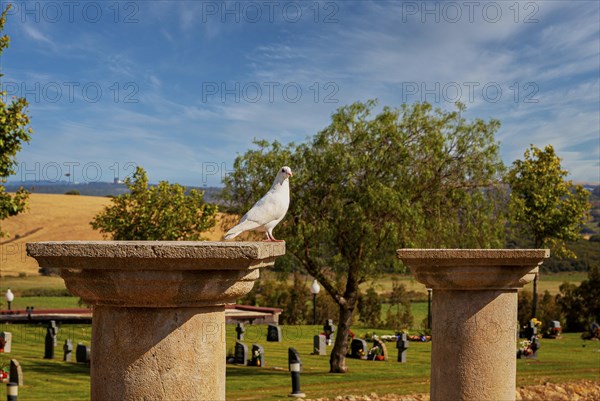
(14, 131)
(163, 212)
(399, 315)
(369, 308)
(367, 185)
(544, 206)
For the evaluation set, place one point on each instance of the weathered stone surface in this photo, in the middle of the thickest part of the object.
(474, 315)
(473, 268)
(151, 255)
(158, 330)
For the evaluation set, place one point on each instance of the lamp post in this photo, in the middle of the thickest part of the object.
(429, 308)
(9, 297)
(314, 289)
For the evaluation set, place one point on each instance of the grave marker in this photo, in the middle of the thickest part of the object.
(49, 342)
(240, 330)
(402, 346)
(329, 329)
(295, 366)
(241, 354)
(273, 333)
(67, 350)
(15, 374)
(82, 353)
(258, 356)
(319, 345)
(358, 349)
(5, 341)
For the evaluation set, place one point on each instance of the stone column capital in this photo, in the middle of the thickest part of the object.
(157, 274)
(473, 269)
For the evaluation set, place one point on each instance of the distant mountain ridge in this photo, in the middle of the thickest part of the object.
(211, 194)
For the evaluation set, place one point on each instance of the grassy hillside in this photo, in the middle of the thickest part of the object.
(53, 218)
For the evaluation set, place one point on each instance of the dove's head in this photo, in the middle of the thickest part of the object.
(285, 171)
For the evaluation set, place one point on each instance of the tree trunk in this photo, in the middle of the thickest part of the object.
(337, 360)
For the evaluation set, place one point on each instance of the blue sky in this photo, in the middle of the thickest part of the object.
(182, 87)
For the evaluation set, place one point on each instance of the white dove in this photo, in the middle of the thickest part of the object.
(269, 210)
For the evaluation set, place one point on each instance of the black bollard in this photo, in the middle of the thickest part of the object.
(12, 391)
(295, 365)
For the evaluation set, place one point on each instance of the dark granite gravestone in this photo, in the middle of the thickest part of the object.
(258, 356)
(402, 346)
(67, 350)
(530, 330)
(5, 341)
(82, 353)
(273, 333)
(319, 345)
(240, 330)
(329, 329)
(49, 342)
(358, 349)
(15, 374)
(241, 353)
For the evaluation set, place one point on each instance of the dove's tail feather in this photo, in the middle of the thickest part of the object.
(246, 225)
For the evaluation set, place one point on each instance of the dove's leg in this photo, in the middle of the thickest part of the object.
(270, 237)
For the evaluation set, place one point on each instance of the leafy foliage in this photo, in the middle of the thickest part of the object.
(366, 185)
(162, 212)
(369, 308)
(543, 204)
(14, 130)
(399, 316)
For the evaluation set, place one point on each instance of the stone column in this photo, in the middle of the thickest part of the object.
(474, 326)
(158, 326)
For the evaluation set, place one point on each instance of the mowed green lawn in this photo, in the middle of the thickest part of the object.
(566, 359)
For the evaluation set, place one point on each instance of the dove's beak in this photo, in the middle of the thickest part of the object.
(291, 175)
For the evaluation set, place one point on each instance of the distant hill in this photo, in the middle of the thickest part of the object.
(54, 218)
(211, 194)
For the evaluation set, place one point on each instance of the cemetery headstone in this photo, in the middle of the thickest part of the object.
(82, 353)
(319, 345)
(382, 354)
(49, 343)
(67, 350)
(273, 333)
(15, 374)
(329, 329)
(258, 356)
(5, 341)
(241, 353)
(54, 328)
(530, 330)
(358, 349)
(402, 346)
(240, 330)
(554, 329)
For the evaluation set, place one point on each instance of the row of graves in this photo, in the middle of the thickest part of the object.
(530, 337)
(14, 374)
(378, 351)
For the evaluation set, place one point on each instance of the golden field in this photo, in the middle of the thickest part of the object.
(53, 218)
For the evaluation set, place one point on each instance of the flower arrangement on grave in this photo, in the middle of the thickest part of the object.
(553, 332)
(257, 355)
(525, 349)
(3, 373)
(537, 323)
